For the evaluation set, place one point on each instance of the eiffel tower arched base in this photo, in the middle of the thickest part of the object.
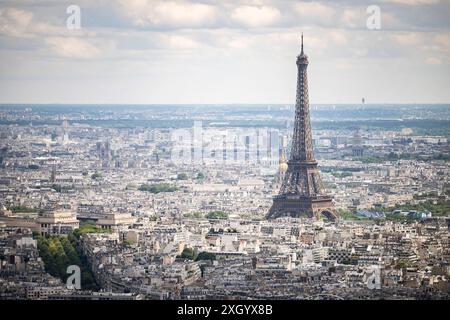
(298, 206)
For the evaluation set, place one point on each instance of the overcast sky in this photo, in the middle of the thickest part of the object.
(146, 51)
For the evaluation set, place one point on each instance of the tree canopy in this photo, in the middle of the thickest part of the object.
(157, 188)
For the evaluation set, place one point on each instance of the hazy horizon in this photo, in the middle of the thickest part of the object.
(237, 104)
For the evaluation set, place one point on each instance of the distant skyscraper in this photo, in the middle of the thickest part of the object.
(302, 192)
(357, 146)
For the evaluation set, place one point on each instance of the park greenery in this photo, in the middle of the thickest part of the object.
(217, 215)
(210, 215)
(59, 252)
(89, 226)
(22, 209)
(157, 188)
(200, 176)
(182, 176)
(341, 174)
(193, 215)
(348, 215)
(96, 176)
(440, 208)
(189, 253)
(402, 156)
(205, 256)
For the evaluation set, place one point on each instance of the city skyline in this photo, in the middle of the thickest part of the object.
(127, 182)
(223, 52)
(104, 196)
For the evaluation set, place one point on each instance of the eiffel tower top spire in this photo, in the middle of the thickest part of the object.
(302, 44)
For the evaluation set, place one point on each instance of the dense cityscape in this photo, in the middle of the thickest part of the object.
(100, 187)
(173, 152)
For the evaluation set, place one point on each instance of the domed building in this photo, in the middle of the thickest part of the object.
(282, 167)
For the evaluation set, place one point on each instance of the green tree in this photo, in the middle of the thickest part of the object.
(96, 176)
(205, 256)
(157, 188)
(188, 253)
(392, 156)
(59, 252)
(193, 215)
(200, 175)
(217, 215)
(23, 209)
(182, 176)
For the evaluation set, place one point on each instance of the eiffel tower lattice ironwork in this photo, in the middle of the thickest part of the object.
(302, 193)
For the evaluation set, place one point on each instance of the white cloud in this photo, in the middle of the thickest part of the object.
(314, 10)
(169, 13)
(344, 65)
(252, 16)
(338, 37)
(407, 38)
(442, 41)
(433, 61)
(413, 2)
(14, 22)
(239, 43)
(71, 47)
(173, 41)
(157, 39)
(353, 18)
(24, 24)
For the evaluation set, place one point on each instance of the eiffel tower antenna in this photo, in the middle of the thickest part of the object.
(302, 43)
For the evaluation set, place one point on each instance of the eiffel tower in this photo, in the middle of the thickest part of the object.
(302, 193)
